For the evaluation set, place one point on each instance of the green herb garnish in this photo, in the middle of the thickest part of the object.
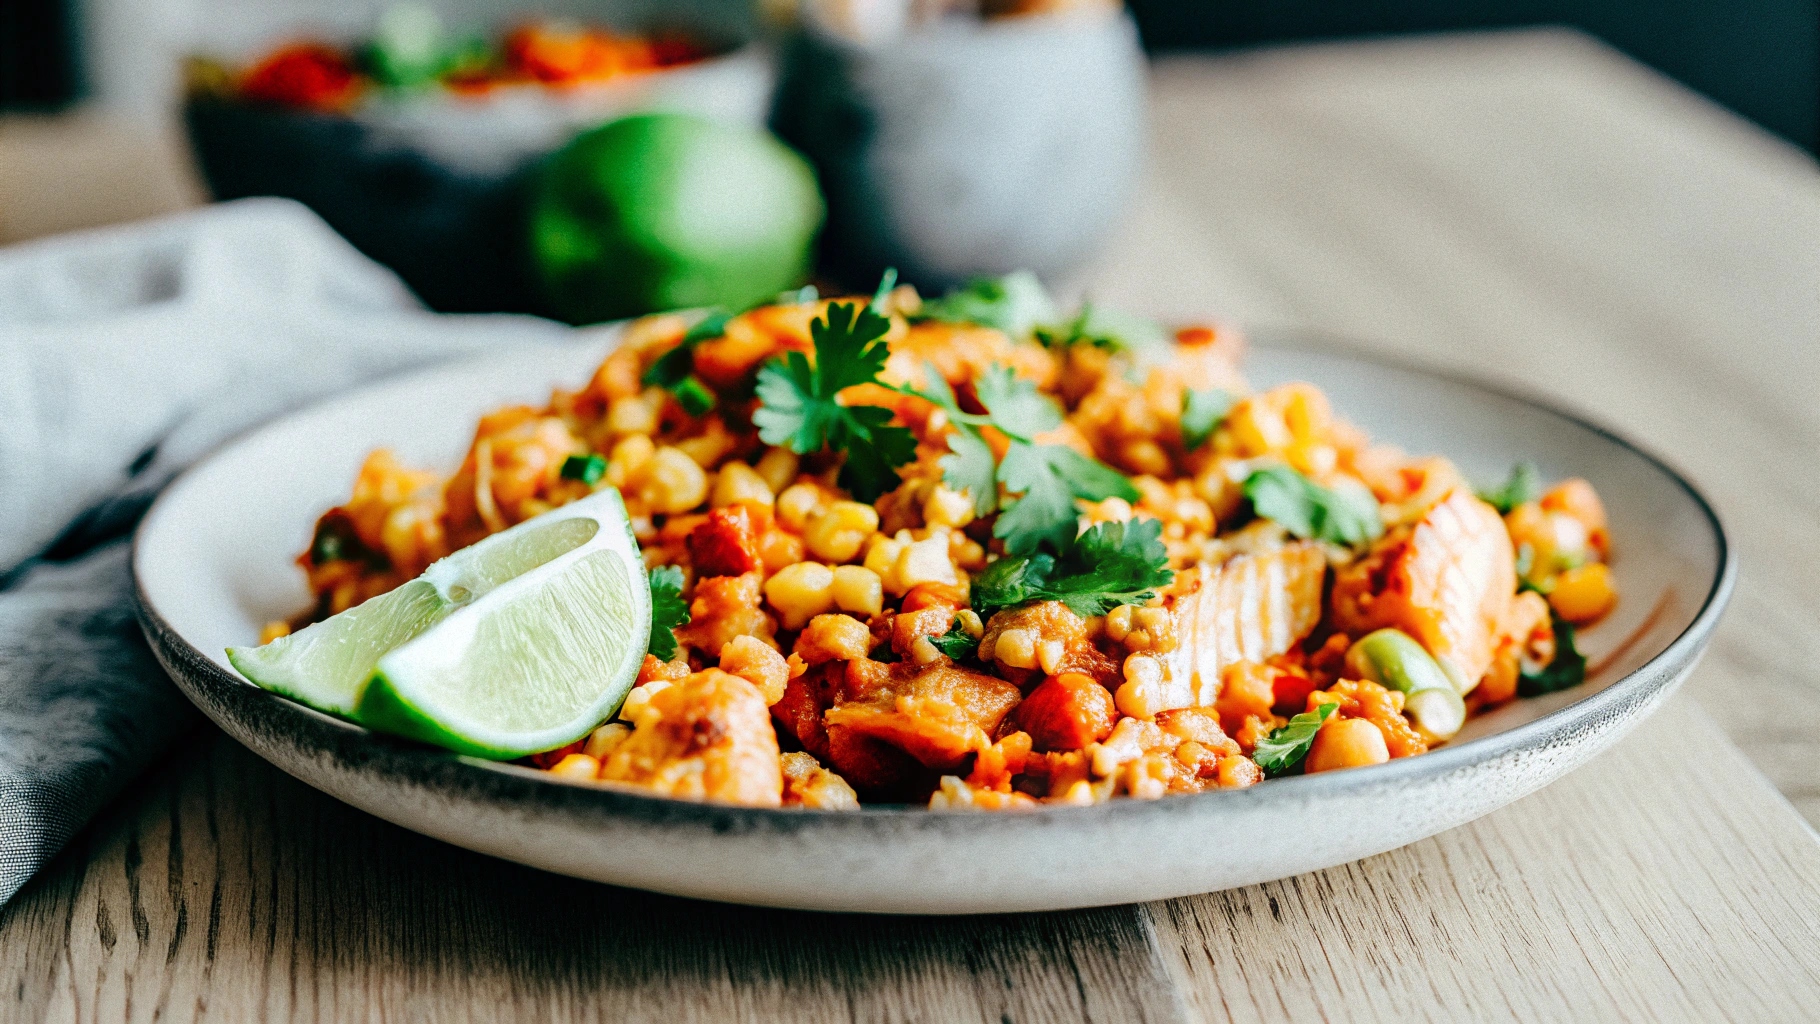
(1284, 750)
(956, 644)
(1202, 414)
(1523, 487)
(1566, 670)
(1109, 565)
(1347, 516)
(886, 282)
(1015, 304)
(668, 611)
(1107, 328)
(1049, 477)
(798, 406)
(586, 468)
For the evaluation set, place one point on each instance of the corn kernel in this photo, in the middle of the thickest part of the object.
(605, 740)
(881, 558)
(944, 507)
(1118, 622)
(739, 482)
(578, 767)
(629, 460)
(837, 533)
(797, 503)
(635, 414)
(923, 651)
(800, 592)
(970, 623)
(923, 561)
(859, 591)
(778, 467)
(676, 483)
(1015, 648)
(1049, 655)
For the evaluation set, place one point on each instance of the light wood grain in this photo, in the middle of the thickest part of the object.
(1527, 207)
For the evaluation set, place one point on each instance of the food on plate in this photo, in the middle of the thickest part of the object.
(970, 553)
(410, 52)
(664, 211)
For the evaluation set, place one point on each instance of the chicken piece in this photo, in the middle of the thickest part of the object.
(1447, 582)
(1251, 608)
(935, 715)
(707, 737)
(808, 784)
(725, 543)
(1046, 637)
(806, 697)
(725, 607)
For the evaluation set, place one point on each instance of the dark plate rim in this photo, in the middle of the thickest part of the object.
(212, 688)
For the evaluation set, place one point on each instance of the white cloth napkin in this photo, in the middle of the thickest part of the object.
(125, 354)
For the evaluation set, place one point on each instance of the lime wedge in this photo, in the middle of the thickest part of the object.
(327, 665)
(532, 665)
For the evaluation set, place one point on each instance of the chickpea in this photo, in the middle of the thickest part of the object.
(1015, 648)
(838, 532)
(676, 483)
(739, 482)
(778, 467)
(1346, 743)
(629, 460)
(800, 592)
(797, 503)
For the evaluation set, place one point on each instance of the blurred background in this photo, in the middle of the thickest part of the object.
(459, 141)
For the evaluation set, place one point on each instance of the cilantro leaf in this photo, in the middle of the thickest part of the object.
(1014, 404)
(1109, 565)
(1051, 477)
(1566, 670)
(798, 403)
(1202, 414)
(1344, 515)
(956, 643)
(1522, 487)
(1015, 304)
(668, 611)
(969, 468)
(1282, 752)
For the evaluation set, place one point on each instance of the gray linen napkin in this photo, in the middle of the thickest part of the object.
(125, 354)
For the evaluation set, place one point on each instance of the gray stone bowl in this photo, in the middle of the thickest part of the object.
(968, 148)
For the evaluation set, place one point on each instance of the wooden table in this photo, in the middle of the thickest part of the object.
(1528, 207)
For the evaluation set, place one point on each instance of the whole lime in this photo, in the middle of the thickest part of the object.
(663, 211)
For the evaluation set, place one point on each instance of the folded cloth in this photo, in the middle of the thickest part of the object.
(125, 354)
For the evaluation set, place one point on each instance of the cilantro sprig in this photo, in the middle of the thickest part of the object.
(1016, 304)
(1523, 486)
(668, 611)
(1048, 478)
(956, 644)
(1109, 565)
(1104, 327)
(1566, 670)
(1338, 515)
(1284, 750)
(798, 404)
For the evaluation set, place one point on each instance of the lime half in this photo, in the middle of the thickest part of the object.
(546, 626)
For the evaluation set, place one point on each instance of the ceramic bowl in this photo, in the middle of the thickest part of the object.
(968, 148)
(214, 560)
(432, 185)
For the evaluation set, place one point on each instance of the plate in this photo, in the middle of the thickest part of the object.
(213, 560)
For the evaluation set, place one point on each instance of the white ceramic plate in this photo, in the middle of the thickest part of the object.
(214, 561)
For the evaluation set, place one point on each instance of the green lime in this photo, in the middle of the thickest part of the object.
(569, 591)
(665, 211)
